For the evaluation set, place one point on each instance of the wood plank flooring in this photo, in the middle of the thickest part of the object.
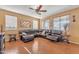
(40, 46)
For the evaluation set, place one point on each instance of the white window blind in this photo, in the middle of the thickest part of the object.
(42, 24)
(10, 22)
(35, 24)
(61, 23)
(46, 24)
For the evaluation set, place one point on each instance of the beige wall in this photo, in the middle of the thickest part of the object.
(74, 26)
(19, 17)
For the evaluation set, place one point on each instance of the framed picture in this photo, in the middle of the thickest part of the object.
(27, 24)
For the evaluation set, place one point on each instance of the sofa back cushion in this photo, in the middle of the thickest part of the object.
(56, 31)
(28, 31)
(43, 32)
(24, 34)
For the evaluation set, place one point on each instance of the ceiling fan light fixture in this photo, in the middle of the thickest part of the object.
(38, 9)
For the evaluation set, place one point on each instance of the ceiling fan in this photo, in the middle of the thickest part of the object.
(38, 9)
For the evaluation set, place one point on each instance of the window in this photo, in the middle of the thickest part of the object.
(61, 23)
(56, 23)
(35, 24)
(64, 23)
(46, 24)
(42, 24)
(10, 22)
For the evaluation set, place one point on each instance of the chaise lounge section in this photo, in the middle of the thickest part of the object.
(27, 35)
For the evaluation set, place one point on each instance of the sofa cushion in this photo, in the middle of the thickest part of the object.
(56, 32)
(24, 34)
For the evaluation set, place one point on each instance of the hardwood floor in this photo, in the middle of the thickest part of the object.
(40, 46)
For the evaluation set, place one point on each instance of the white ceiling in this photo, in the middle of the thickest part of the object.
(51, 9)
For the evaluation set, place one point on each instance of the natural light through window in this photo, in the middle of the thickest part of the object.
(61, 23)
(46, 24)
(35, 24)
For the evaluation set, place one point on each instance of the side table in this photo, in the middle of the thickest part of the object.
(12, 37)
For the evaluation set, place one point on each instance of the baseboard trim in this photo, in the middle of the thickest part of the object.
(74, 42)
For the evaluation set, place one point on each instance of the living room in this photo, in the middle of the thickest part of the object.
(37, 29)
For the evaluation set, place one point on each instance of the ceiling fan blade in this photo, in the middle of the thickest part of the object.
(31, 8)
(42, 10)
(38, 8)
